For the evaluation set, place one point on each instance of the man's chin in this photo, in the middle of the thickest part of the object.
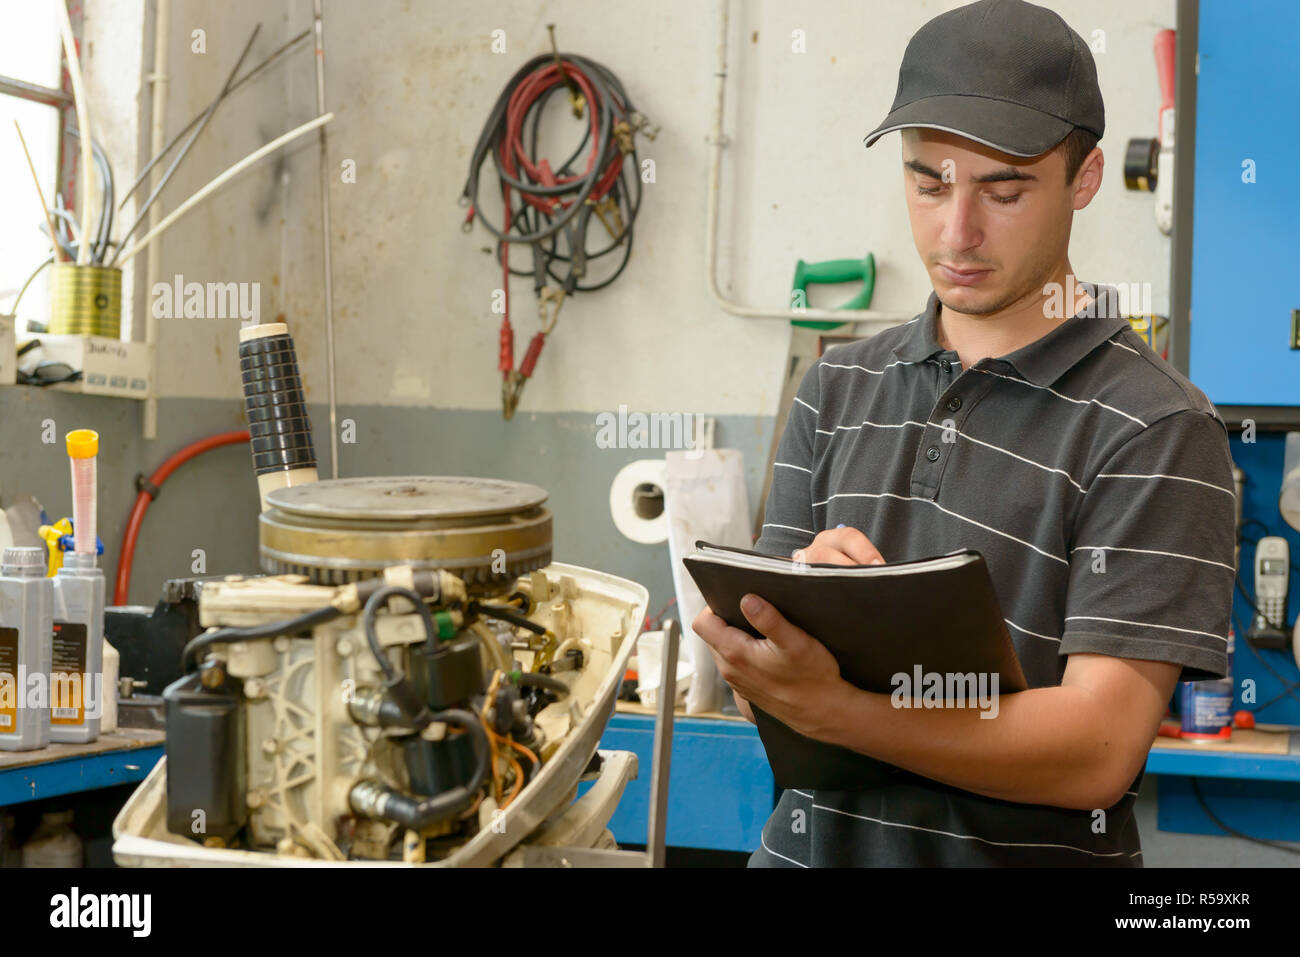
(967, 299)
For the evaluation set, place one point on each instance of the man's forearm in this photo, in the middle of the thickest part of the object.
(1045, 746)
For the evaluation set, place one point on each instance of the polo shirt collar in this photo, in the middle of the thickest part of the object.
(1043, 361)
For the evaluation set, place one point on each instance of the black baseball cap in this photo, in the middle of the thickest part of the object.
(1005, 73)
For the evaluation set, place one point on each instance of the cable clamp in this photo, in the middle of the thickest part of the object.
(512, 386)
(544, 295)
(142, 484)
(642, 125)
(609, 205)
(623, 133)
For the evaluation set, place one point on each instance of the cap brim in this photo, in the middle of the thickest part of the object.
(1007, 127)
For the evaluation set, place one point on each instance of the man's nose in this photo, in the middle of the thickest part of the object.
(961, 229)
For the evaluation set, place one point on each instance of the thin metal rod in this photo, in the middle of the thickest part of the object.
(1180, 258)
(30, 91)
(199, 116)
(153, 261)
(657, 825)
(319, 28)
(184, 150)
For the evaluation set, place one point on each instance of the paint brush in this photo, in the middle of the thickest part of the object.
(40, 194)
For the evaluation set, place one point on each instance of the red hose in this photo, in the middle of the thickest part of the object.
(127, 554)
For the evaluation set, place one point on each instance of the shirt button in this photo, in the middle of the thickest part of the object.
(932, 453)
(945, 365)
(953, 404)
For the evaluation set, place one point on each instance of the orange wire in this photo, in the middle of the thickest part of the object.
(515, 765)
(494, 739)
(527, 753)
(519, 783)
(468, 812)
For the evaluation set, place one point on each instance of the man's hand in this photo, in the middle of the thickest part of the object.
(790, 675)
(744, 707)
(839, 546)
(834, 546)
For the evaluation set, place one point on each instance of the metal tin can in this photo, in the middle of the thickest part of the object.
(85, 300)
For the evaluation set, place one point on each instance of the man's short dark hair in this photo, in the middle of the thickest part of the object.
(1076, 146)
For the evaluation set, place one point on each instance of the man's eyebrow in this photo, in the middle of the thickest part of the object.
(1005, 174)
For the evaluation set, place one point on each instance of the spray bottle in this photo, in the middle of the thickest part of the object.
(77, 687)
(26, 601)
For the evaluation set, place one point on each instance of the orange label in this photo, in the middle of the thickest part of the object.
(68, 674)
(9, 689)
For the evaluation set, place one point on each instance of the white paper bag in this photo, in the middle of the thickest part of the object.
(705, 499)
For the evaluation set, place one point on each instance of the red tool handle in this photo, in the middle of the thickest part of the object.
(506, 362)
(530, 357)
(1166, 44)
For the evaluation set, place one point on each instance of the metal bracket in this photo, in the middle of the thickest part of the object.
(544, 855)
(512, 385)
(545, 295)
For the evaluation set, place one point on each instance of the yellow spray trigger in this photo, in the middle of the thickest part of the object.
(51, 535)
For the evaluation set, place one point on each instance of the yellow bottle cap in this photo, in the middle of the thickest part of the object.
(83, 444)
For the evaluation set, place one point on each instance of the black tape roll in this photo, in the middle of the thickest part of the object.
(259, 400)
(263, 414)
(283, 461)
(269, 384)
(280, 441)
(276, 406)
(279, 426)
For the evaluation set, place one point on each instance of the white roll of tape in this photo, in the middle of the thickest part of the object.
(622, 501)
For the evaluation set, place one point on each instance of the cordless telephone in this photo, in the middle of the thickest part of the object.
(1272, 576)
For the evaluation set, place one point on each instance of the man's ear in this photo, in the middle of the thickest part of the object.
(1088, 180)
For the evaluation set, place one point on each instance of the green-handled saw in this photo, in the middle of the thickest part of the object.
(806, 341)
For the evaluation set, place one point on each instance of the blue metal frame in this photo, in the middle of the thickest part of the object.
(720, 790)
(1266, 809)
(1225, 764)
(70, 775)
(1243, 240)
(1262, 461)
(1257, 794)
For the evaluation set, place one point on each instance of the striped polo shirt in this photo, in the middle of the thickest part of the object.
(1097, 483)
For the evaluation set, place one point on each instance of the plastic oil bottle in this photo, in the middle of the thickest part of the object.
(26, 602)
(54, 843)
(77, 687)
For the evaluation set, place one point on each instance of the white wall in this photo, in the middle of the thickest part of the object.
(412, 82)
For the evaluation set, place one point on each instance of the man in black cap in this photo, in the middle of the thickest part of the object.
(1020, 416)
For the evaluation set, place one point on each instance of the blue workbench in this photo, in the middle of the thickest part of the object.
(124, 756)
(1257, 794)
(721, 791)
(720, 788)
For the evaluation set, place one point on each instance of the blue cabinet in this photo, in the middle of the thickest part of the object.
(720, 788)
(1246, 235)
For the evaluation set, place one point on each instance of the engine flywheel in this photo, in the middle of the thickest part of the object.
(486, 531)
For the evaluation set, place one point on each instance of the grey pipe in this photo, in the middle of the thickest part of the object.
(319, 27)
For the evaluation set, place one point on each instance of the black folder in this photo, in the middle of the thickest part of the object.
(938, 614)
